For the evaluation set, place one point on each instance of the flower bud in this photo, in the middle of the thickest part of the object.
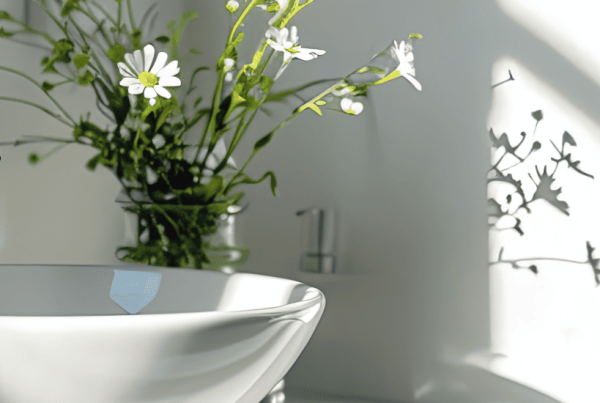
(229, 63)
(232, 6)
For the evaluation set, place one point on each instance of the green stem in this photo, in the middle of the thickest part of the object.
(219, 88)
(130, 12)
(241, 19)
(254, 151)
(58, 117)
(40, 87)
(241, 126)
(42, 5)
(213, 116)
(49, 153)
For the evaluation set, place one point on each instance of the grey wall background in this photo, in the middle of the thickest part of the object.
(407, 175)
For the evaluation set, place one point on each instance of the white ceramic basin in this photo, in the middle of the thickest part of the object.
(205, 337)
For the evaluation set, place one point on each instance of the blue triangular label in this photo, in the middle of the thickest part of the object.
(133, 290)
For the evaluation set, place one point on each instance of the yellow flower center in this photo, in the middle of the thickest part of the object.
(148, 79)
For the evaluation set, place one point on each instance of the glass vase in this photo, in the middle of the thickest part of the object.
(184, 236)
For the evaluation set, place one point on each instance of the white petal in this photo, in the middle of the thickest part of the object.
(160, 90)
(287, 57)
(149, 92)
(169, 82)
(307, 54)
(169, 70)
(230, 161)
(272, 32)
(346, 104)
(294, 35)
(282, 35)
(124, 70)
(136, 89)
(139, 60)
(205, 180)
(413, 81)
(357, 107)
(161, 59)
(278, 47)
(148, 57)
(152, 101)
(131, 61)
(127, 81)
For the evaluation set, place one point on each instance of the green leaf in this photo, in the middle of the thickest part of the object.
(537, 115)
(86, 78)
(81, 60)
(266, 83)
(93, 162)
(252, 102)
(165, 113)
(6, 16)
(62, 48)
(273, 7)
(116, 53)
(197, 101)
(215, 186)
(263, 141)
(248, 180)
(176, 31)
(46, 86)
(236, 100)
(151, 108)
(162, 39)
(5, 34)
(68, 7)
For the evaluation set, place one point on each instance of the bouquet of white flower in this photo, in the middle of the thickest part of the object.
(179, 190)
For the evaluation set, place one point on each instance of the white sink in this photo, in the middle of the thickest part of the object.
(204, 337)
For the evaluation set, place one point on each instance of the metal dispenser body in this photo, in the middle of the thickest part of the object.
(318, 234)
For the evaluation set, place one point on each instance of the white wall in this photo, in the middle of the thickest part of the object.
(58, 211)
(407, 175)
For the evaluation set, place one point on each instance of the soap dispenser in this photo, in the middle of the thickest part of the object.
(318, 240)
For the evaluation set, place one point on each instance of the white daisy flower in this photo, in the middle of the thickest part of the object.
(350, 107)
(403, 53)
(139, 77)
(282, 7)
(278, 40)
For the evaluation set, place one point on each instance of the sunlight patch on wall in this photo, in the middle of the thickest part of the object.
(569, 27)
(548, 325)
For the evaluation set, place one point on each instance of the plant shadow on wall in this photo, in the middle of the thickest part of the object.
(505, 215)
(177, 190)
